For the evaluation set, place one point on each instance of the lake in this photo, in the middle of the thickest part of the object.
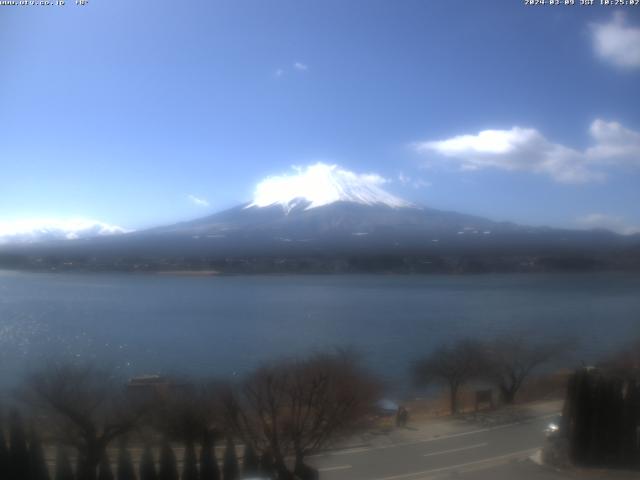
(224, 326)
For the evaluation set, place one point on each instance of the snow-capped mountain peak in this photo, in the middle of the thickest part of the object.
(323, 184)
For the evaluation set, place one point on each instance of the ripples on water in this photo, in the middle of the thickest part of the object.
(227, 325)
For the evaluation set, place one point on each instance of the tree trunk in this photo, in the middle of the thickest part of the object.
(507, 394)
(281, 469)
(283, 472)
(89, 467)
(302, 471)
(454, 398)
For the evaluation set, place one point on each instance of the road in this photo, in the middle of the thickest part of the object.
(468, 451)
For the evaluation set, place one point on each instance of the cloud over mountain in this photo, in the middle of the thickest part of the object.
(321, 184)
(36, 230)
(199, 201)
(615, 223)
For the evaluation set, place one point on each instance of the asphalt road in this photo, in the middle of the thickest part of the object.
(474, 450)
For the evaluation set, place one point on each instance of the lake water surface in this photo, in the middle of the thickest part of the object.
(227, 325)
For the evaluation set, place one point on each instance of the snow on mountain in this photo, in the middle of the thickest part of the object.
(322, 184)
(38, 230)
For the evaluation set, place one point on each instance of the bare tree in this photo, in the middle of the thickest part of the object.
(189, 413)
(453, 365)
(513, 358)
(82, 407)
(298, 407)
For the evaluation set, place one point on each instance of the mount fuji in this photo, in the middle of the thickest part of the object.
(326, 219)
(321, 184)
(325, 206)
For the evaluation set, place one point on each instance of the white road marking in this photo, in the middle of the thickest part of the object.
(443, 452)
(350, 451)
(460, 465)
(331, 469)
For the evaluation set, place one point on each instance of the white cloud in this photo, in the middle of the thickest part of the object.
(199, 201)
(614, 144)
(617, 42)
(610, 222)
(412, 181)
(297, 66)
(526, 149)
(39, 229)
(321, 184)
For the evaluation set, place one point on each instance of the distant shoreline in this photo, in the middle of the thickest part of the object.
(319, 272)
(189, 273)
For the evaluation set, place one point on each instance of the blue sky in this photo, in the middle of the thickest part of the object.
(131, 112)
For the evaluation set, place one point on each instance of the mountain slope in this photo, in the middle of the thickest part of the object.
(347, 227)
(339, 228)
(326, 219)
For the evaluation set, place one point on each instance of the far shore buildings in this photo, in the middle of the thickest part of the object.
(145, 386)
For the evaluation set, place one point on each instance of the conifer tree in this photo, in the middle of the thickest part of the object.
(168, 467)
(250, 462)
(230, 470)
(105, 471)
(189, 463)
(601, 419)
(63, 470)
(81, 465)
(125, 464)
(266, 465)
(37, 465)
(18, 451)
(4, 455)
(148, 465)
(208, 463)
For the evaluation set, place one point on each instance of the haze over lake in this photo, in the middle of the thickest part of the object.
(227, 325)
